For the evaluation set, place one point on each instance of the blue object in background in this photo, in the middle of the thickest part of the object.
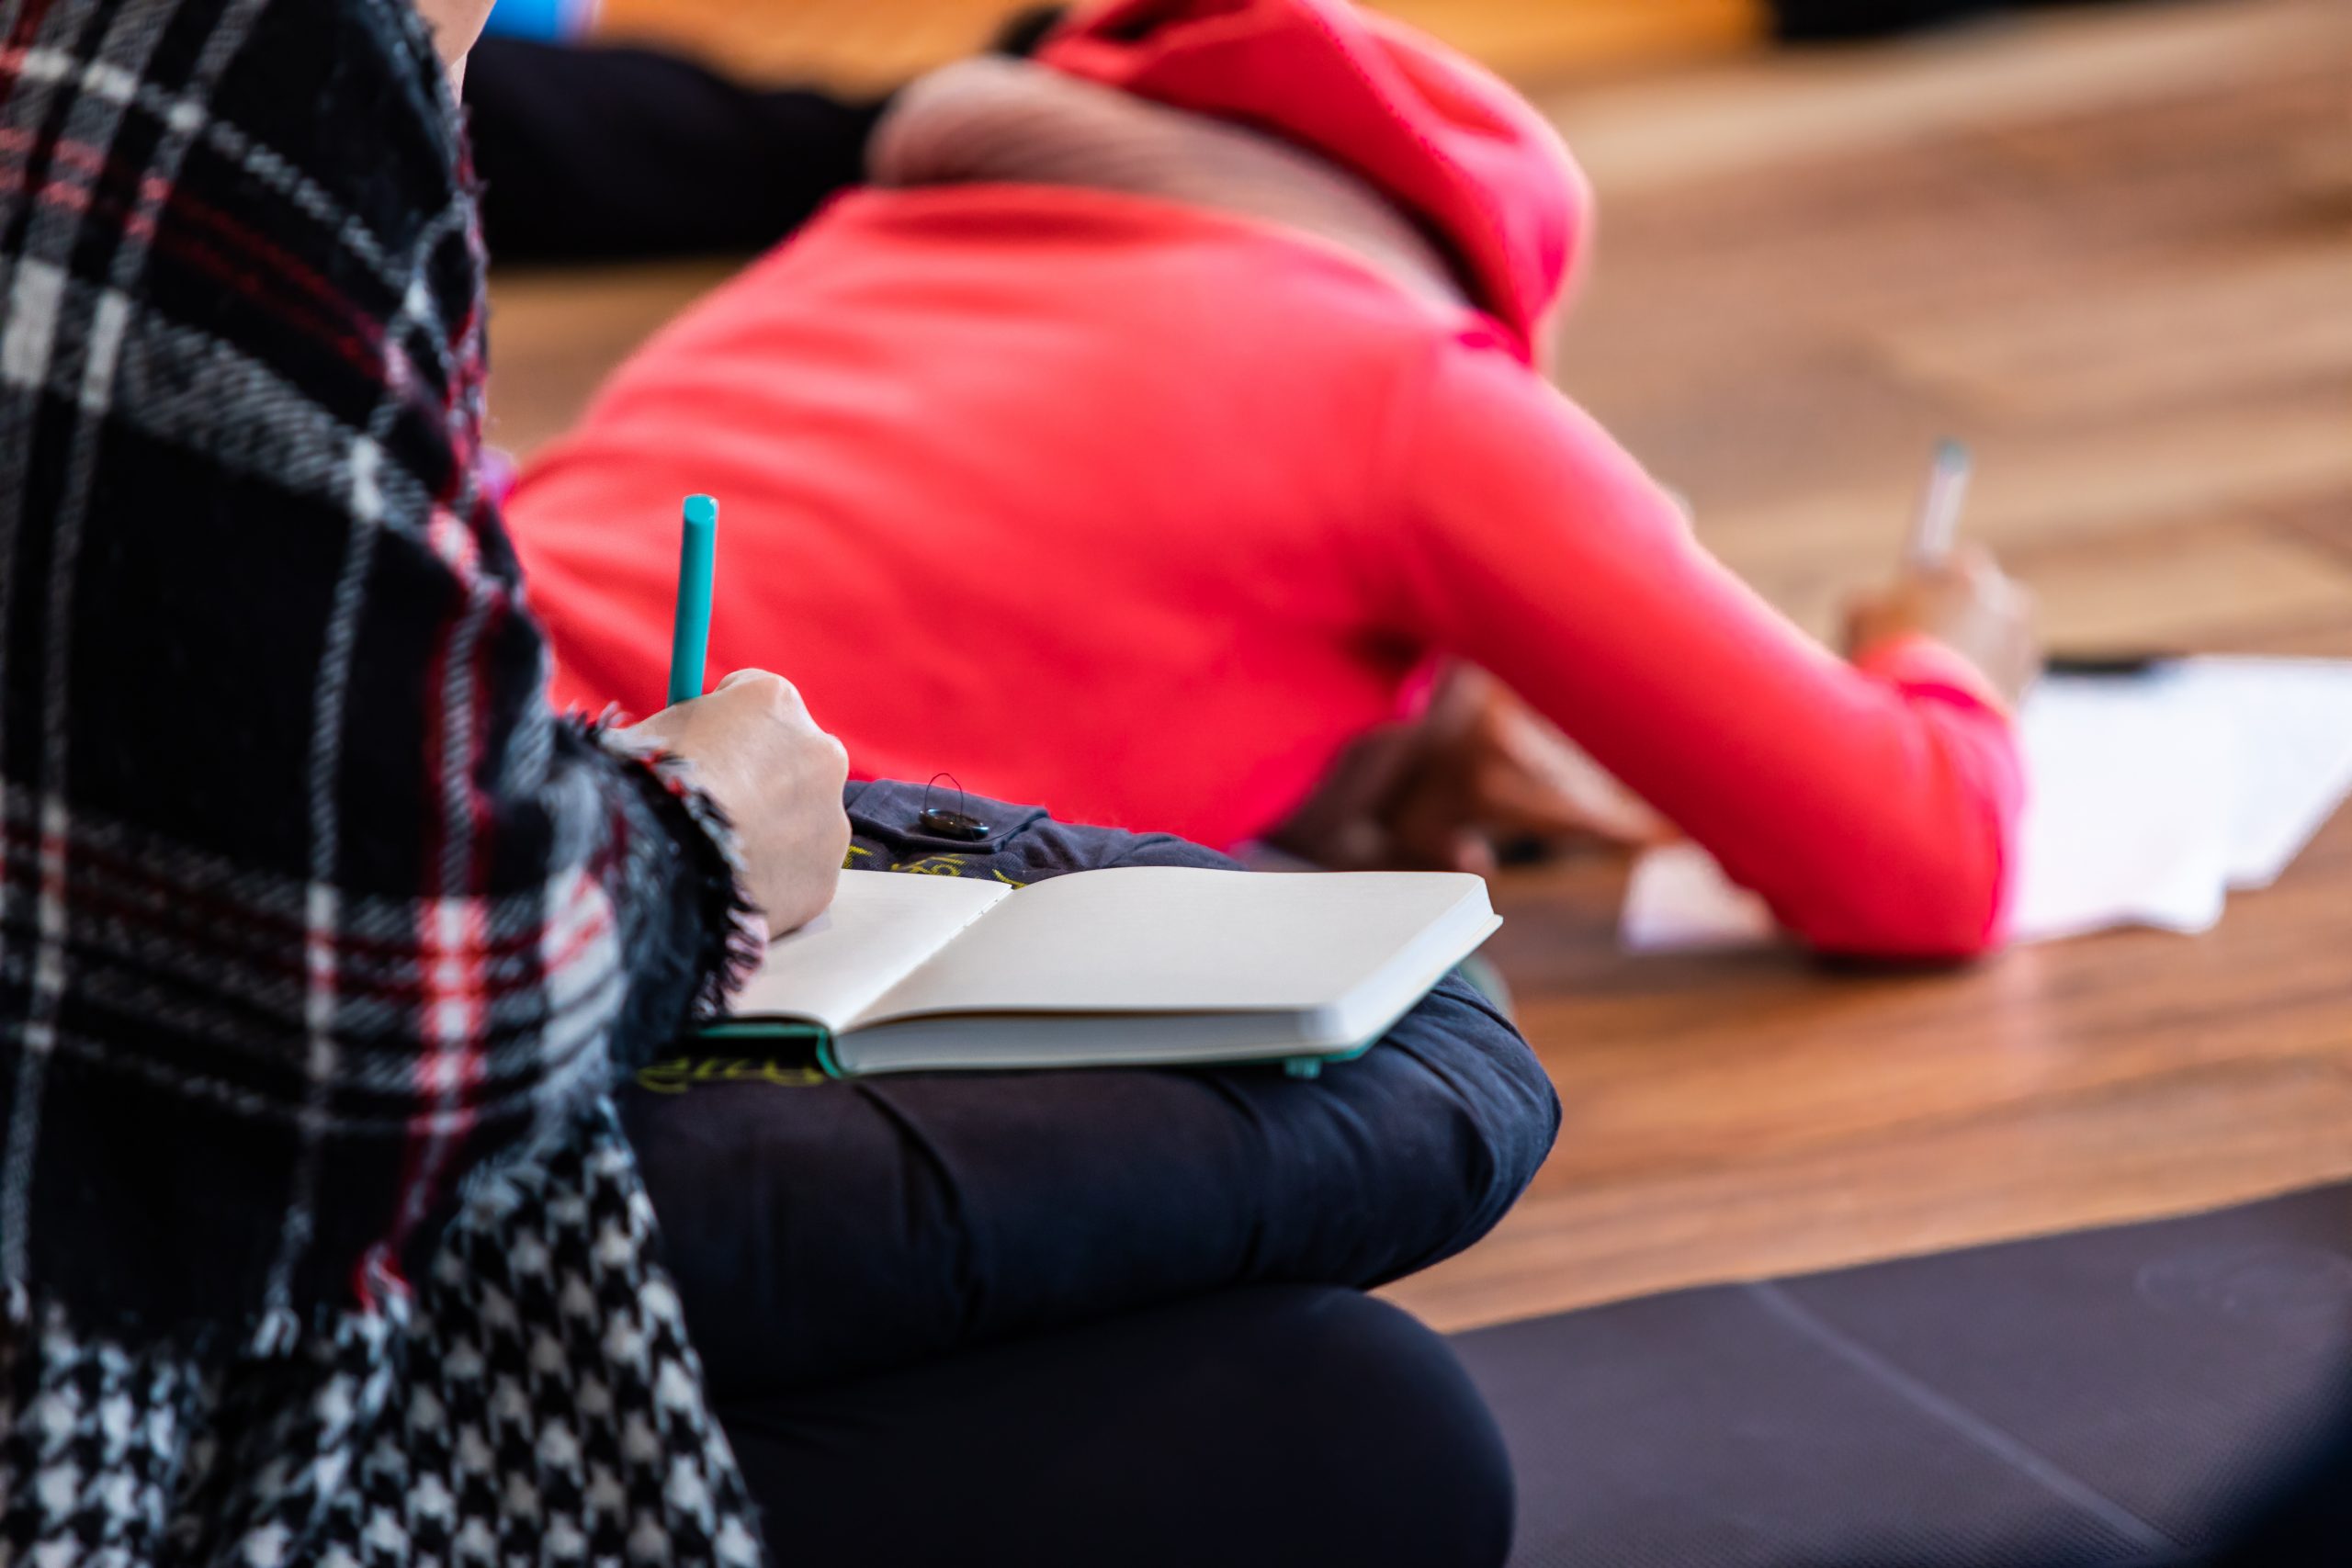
(550, 20)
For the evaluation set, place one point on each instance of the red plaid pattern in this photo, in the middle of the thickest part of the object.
(309, 907)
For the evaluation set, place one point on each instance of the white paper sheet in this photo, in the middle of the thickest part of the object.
(2128, 821)
(1681, 901)
(2152, 798)
(2292, 718)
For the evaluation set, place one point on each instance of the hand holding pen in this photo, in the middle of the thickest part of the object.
(1954, 594)
(756, 751)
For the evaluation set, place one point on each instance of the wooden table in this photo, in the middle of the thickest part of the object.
(2112, 251)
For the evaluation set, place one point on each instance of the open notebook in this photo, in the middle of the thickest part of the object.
(1134, 964)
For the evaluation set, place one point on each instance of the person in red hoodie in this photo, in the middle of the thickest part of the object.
(1166, 416)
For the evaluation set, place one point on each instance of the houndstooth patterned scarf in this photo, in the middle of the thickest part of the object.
(534, 1402)
(320, 936)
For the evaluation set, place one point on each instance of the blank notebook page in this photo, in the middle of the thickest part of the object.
(882, 925)
(1176, 938)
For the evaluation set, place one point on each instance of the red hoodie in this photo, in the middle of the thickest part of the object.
(1143, 511)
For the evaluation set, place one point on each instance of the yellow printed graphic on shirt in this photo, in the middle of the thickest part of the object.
(860, 858)
(682, 1073)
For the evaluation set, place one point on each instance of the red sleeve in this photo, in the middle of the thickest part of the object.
(1873, 806)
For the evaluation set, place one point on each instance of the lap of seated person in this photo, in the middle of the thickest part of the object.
(1268, 1426)
(820, 1231)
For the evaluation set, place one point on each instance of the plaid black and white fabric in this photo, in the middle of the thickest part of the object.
(320, 938)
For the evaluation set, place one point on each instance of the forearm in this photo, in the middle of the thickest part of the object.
(1873, 807)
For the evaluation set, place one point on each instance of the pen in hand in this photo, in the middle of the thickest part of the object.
(1952, 593)
(1938, 522)
(690, 627)
(756, 752)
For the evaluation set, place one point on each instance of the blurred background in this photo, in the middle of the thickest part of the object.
(876, 44)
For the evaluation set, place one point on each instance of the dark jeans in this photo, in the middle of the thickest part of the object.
(1268, 1426)
(1814, 19)
(601, 155)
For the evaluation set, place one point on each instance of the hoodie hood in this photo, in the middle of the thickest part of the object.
(1464, 154)
(990, 121)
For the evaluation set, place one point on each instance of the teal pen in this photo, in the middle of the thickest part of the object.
(690, 625)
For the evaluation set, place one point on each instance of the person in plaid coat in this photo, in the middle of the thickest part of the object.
(321, 938)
